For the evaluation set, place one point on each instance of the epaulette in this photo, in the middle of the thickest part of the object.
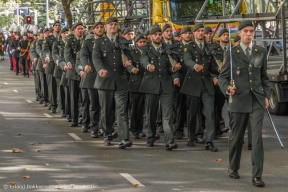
(90, 36)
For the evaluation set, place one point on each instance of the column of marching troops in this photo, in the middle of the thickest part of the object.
(169, 80)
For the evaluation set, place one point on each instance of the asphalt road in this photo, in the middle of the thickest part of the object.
(67, 164)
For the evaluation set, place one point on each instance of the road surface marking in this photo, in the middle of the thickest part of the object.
(132, 179)
(47, 115)
(15, 91)
(75, 136)
(29, 101)
(5, 83)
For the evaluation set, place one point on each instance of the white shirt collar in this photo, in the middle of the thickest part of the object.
(244, 46)
(111, 37)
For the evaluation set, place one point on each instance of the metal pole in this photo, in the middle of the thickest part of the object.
(47, 13)
(18, 15)
(35, 17)
(283, 26)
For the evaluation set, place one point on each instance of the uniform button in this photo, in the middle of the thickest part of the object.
(114, 69)
(114, 63)
(189, 77)
(159, 69)
(159, 75)
(203, 77)
(250, 81)
(250, 73)
(113, 50)
(251, 89)
(158, 57)
(114, 57)
(159, 64)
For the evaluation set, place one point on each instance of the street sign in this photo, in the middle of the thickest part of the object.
(63, 24)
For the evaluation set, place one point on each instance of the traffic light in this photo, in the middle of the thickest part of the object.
(28, 19)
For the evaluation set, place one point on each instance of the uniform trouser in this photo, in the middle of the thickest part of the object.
(94, 109)
(193, 103)
(166, 100)
(137, 110)
(85, 107)
(74, 97)
(36, 81)
(218, 106)
(238, 124)
(52, 90)
(44, 86)
(25, 65)
(17, 59)
(200, 122)
(249, 130)
(11, 63)
(180, 111)
(67, 102)
(60, 94)
(107, 98)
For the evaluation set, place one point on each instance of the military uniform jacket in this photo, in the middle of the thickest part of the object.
(86, 59)
(33, 53)
(193, 82)
(106, 56)
(55, 55)
(159, 80)
(15, 45)
(182, 72)
(62, 64)
(72, 46)
(135, 79)
(47, 52)
(24, 46)
(38, 49)
(250, 78)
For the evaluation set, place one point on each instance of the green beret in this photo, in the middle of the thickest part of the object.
(197, 26)
(51, 29)
(97, 23)
(154, 29)
(45, 30)
(244, 24)
(76, 24)
(224, 30)
(111, 19)
(166, 26)
(127, 30)
(64, 29)
(140, 36)
(56, 22)
(185, 29)
(207, 29)
(176, 33)
(237, 38)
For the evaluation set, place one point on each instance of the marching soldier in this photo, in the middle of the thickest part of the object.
(248, 99)
(10, 38)
(15, 50)
(158, 86)
(111, 83)
(208, 34)
(49, 65)
(219, 99)
(200, 65)
(90, 73)
(237, 40)
(24, 54)
(58, 72)
(43, 81)
(180, 98)
(136, 97)
(177, 36)
(2, 42)
(72, 46)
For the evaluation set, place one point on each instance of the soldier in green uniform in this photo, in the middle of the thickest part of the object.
(136, 97)
(72, 46)
(248, 100)
(178, 79)
(24, 52)
(2, 42)
(49, 64)
(64, 81)
(43, 81)
(112, 83)
(90, 102)
(237, 40)
(158, 85)
(177, 36)
(15, 50)
(208, 34)
(198, 86)
(58, 72)
(219, 99)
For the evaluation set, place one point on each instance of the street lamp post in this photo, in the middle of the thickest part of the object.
(74, 11)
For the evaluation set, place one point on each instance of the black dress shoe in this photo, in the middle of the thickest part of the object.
(257, 181)
(63, 115)
(94, 134)
(171, 146)
(100, 132)
(136, 136)
(69, 120)
(150, 144)
(210, 146)
(27, 75)
(74, 125)
(53, 110)
(84, 129)
(107, 141)
(234, 175)
(161, 130)
(44, 104)
(249, 146)
(49, 108)
(178, 135)
(215, 137)
(190, 144)
(80, 121)
(123, 144)
(115, 135)
(199, 140)
(157, 137)
(224, 130)
(141, 134)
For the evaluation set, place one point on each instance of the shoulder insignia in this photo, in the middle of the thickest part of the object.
(194, 45)
(238, 51)
(185, 49)
(256, 50)
(89, 37)
(66, 43)
(94, 45)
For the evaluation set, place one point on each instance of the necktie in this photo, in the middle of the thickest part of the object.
(112, 40)
(158, 50)
(168, 43)
(225, 48)
(248, 53)
(200, 46)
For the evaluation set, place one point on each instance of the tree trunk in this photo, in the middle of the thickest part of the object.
(67, 11)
